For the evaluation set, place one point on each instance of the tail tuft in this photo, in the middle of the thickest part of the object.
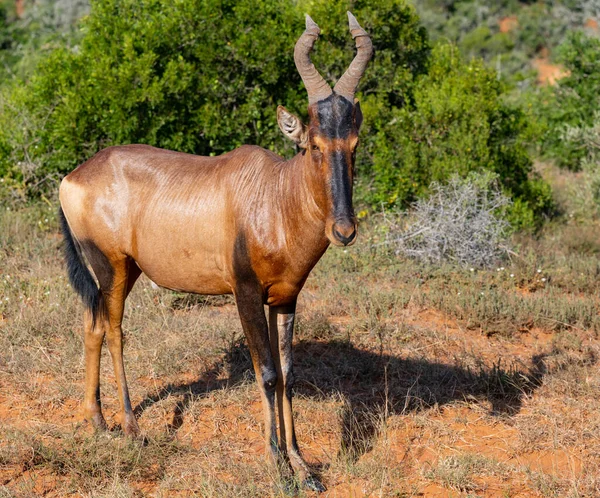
(80, 277)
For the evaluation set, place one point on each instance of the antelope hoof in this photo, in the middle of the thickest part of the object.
(131, 428)
(97, 421)
(313, 484)
(95, 418)
(129, 425)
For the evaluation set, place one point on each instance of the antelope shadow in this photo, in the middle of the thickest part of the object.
(375, 385)
(372, 385)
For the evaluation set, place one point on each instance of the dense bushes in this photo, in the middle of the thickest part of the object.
(456, 123)
(571, 110)
(508, 34)
(198, 76)
(205, 76)
(44, 26)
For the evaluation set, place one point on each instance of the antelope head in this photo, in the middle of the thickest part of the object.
(331, 138)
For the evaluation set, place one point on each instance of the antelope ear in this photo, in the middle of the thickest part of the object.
(358, 116)
(292, 127)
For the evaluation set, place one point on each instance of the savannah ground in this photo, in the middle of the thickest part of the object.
(413, 379)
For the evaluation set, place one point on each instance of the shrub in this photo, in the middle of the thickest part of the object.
(574, 101)
(585, 194)
(474, 25)
(44, 26)
(461, 222)
(457, 123)
(186, 76)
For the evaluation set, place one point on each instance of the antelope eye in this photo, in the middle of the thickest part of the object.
(315, 148)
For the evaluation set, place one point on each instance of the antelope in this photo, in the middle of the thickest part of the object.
(247, 223)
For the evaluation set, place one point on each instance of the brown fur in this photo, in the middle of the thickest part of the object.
(177, 215)
(246, 223)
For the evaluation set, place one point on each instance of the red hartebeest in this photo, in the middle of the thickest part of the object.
(247, 223)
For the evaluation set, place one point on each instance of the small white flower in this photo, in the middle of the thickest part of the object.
(502, 268)
(539, 270)
(345, 251)
(472, 269)
(459, 293)
(482, 293)
(497, 269)
(512, 275)
(543, 279)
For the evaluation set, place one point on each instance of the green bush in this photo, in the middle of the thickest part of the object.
(574, 102)
(44, 26)
(457, 123)
(205, 76)
(474, 25)
(202, 76)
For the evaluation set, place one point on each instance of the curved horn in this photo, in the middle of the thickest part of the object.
(347, 84)
(316, 87)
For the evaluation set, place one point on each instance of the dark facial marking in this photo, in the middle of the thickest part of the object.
(336, 117)
(341, 186)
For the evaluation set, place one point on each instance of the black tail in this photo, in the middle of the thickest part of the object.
(80, 277)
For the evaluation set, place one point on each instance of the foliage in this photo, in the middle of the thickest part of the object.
(183, 76)
(531, 29)
(511, 36)
(585, 193)
(462, 222)
(457, 124)
(44, 26)
(571, 110)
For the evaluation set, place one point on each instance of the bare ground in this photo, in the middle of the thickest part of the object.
(412, 380)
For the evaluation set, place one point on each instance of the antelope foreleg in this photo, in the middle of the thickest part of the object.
(254, 323)
(281, 329)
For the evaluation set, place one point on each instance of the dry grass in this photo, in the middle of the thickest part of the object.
(413, 380)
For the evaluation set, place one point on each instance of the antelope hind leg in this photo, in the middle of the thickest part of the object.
(124, 277)
(93, 338)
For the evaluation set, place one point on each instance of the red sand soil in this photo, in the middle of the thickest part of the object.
(407, 445)
(592, 24)
(548, 73)
(507, 24)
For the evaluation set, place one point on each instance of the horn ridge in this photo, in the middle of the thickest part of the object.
(348, 83)
(316, 87)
